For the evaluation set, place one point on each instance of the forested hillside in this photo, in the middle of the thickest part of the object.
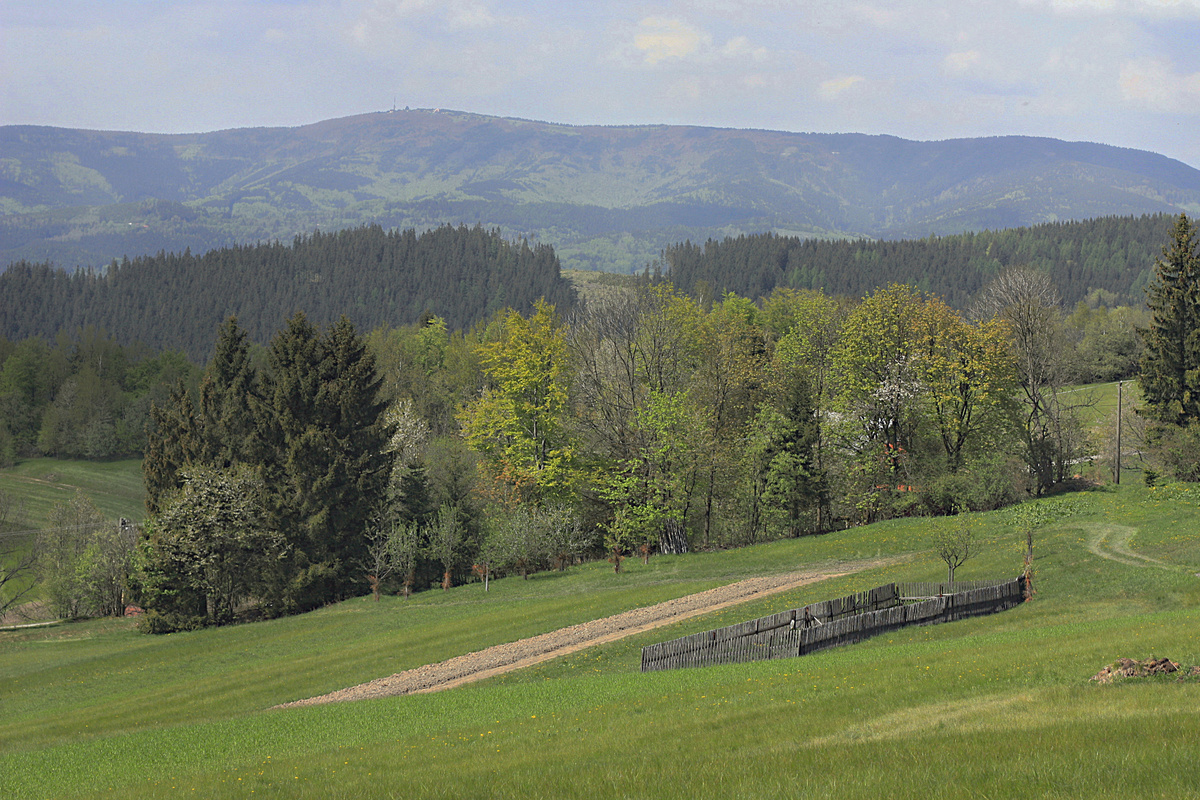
(1109, 259)
(605, 197)
(374, 277)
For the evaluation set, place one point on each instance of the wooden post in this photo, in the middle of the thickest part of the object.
(1118, 433)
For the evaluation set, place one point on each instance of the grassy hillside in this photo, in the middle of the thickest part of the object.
(993, 706)
(41, 483)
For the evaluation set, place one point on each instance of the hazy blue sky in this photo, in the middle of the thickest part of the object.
(1122, 72)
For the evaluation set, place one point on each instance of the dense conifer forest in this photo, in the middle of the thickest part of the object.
(374, 277)
(1109, 258)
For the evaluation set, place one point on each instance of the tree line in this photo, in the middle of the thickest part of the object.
(82, 395)
(374, 277)
(1103, 261)
(646, 422)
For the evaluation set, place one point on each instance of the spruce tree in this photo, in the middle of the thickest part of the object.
(172, 442)
(325, 464)
(349, 399)
(1170, 375)
(228, 397)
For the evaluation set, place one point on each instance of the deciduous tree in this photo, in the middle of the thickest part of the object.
(518, 424)
(212, 540)
(18, 556)
(1027, 301)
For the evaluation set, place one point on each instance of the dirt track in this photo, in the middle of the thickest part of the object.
(503, 658)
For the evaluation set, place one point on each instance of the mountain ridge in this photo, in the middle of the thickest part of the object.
(604, 196)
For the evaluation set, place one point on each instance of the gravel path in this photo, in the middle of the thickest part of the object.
(503, 658)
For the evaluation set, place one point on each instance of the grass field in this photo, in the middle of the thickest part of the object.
(995, 706)
(41, 483)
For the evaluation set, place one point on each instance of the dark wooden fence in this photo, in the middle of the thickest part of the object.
(831, 623)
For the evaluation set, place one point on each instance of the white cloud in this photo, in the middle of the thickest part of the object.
(834, 87)
(663, 39)
(962, 61)
(660, 39)
(740, 46)
(1154, 85)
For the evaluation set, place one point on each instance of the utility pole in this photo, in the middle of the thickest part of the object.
(1118, 433)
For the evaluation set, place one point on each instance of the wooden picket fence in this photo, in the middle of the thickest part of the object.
(835, 622)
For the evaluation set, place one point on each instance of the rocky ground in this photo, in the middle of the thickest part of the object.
(1132, 668)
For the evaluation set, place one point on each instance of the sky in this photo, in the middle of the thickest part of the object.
(1119, 72)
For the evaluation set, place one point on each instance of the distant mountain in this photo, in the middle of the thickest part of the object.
(604, 197)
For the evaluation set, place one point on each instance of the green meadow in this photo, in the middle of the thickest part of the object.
(41, 483)
(37, 485)
(995, 706)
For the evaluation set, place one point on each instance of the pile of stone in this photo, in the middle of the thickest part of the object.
(1132, 668)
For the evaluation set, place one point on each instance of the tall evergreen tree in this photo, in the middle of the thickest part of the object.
(325, 458)
(172, 442)
(786, 480)
(1170, 376)
(227, 399)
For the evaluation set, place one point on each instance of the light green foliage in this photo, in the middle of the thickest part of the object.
(513, 542)
(393, 547)
(728, 386)
(84, 560)
(914, 378)
(954, 541)
(445, 534)
(61, 556)
(518, 425)
(667, 343)
(807, 326)
(105, 566)
(650, 492)
(906, 361)
(1027, 301)
(527, 538)
(876, 364)
(969, 377)
(1107, 346)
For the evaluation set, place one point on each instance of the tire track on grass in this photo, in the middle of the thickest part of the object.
(1111, 541)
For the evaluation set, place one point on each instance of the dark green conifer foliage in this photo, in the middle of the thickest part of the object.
(349, 399)
(227, 400)
(410, 501)
(173, 441)
(784, 444)
(373, 276)
(324, 455)
(1170, 376)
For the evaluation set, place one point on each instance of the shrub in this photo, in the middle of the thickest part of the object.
(983, 484)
